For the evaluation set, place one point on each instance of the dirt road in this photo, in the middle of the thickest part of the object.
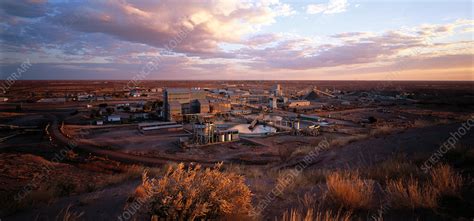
(110, 154)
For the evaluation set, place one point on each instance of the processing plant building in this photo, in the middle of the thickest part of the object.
(180, 101)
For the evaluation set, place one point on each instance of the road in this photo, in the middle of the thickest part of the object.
(59, 137)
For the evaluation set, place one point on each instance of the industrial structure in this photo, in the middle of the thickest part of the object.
(208, 133)
(264, 111)
(298, 103)
(277, 91)
(159, 126)
(220, 106)
(180, 101)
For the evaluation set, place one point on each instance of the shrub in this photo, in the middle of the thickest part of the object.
(195, 193)
(446, 180)
(328, 215)
(410, 194)
(349, 190)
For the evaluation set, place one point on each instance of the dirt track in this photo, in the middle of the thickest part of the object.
(110, 154)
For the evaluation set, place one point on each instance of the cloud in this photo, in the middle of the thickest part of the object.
(356, 48)
(331, 7)
(316, 8)
(433, 30)
(24, 8)
(348, 34)
(261, 39)
(116, 38)
(302, 53)
(156, 23)
(284, 10)
(439, 67)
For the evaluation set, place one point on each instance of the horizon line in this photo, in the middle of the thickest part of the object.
(427, 80)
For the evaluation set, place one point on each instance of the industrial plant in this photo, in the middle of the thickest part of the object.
(259, 129)
(217, 115)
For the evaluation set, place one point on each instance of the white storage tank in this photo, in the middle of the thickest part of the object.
(235, 136)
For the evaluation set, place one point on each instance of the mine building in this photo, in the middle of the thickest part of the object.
(298, 103)
(180, 101)
(220, 107)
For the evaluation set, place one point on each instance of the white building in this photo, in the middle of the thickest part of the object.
(85, 97)
(113, 118)
(52, 100)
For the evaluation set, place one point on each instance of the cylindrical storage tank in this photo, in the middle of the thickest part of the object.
(277, 118)
(229, 137)
(296, 125)
(235, 136)
(222, 138)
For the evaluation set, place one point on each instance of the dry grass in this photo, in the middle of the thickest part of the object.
(128, 173)
(393, 168)
(195, 193)
(316, 176)
(249, 171)
(67, 215)
(308, 200)
(446, 180)
(422, 123)
(136, 171)
(285, 152)
(411, 194)
(383, 130)
(310, 215)
(290, 180)
(349, 190)
(260, 188)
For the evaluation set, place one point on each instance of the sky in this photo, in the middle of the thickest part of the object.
(235, 39)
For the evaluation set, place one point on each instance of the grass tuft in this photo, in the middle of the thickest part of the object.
(446, 180)
(310, 215)
(349, 190)
(411, 194)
